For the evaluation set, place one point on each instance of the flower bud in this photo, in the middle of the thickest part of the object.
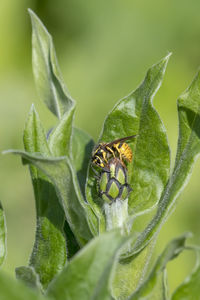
(113, 181)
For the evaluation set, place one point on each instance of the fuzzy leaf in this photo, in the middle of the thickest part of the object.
(79, 151)
(2, 235)
(190, 288)
(72, 244)
(164, 288)
(146, 290)
(53, 92)
(128, 276)
(28, 276)
(12, 289)
(187, 152)
(48, 78)
(50, 236)
(160, 289)
(135, 114)
(82, 145)
(60, 172)
(87, 275)
(59, 139)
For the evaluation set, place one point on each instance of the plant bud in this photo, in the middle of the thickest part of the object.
(113, 182)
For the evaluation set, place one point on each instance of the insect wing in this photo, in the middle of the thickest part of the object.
(121, 140)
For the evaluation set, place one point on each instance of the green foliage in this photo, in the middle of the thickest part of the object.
(82, 146)
(2, 235)
(187, 152)
(70, 210)
(49, 82)
(190, 288)
(50, 237)
(15, 290)
(135, 114)
(87, 276)
(146, 290)
(28, 276)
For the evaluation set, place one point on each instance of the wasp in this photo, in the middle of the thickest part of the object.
(117, 148)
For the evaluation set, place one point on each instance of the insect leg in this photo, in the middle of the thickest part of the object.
(104, 157)
(95, 172)
(117, 147)
(111, 150)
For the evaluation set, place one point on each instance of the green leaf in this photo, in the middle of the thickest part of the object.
(34, 135)
(79, 153)
(82, 145)
(60, 172)
(2, 235)
(160, 289)
(72, 244)
(132, 273)
(28, 276)
(190, 288)
(165, 288)
(48, 78)
(50, 236)
(173, 249)
(59, 139)
(187, 152)
(135, 114)
(87, 276)
(12, 289)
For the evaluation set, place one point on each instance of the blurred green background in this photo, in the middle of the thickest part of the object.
(104, 49)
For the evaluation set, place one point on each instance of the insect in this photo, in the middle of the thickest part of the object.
(117, 148)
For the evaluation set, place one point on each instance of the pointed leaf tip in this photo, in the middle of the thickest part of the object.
(32, 109)
(162, 63)
(166, 58)
(29, 10)
(168, 55)
(48, 78)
